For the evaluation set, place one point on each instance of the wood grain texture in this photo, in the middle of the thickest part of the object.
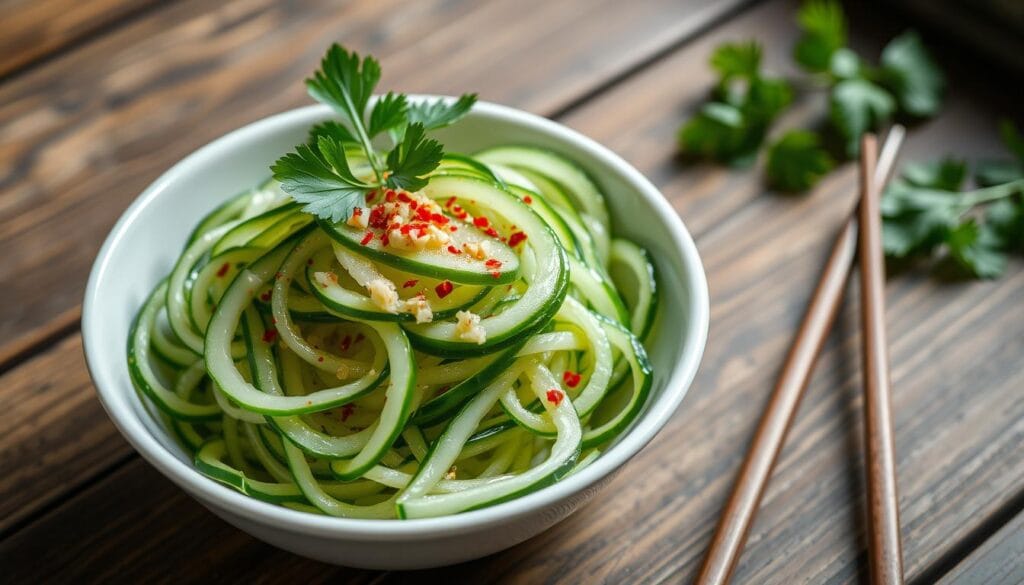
(959, 415)
(82, 136)
(996, 562)
(33, 29)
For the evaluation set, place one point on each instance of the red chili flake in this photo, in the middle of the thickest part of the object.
(443, 389)
(405, 229)
(493, 263)
(404, 197)
(454, 250)
(443, 289)
(491, 232)
(450, 202)
(265, 297)
(385, 239)
(496, 274)
(481, 222)
(223, 270)
(320, 359)
(423, 214)
(309, 262)
(571, 379)
(555, 396)
(410, 283)
(347, 411)
(269, 335)
(438, 218)
(377, 218)
(346, 342)
(453, 228)
(389, 195)
(371, 196)
(528, 200)
(357, 211)
(516, 239)
(366, 239)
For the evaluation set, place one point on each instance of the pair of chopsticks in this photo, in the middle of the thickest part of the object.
(884, 533)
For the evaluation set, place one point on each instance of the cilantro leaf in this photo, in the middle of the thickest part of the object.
(718, 131)
(797, 161)
(388, 113)
(976, 249)
(995, 172)
(1012, 139)
(737, 60)
(766, 99)
(320, 177)
(332, 128)
(824, 32)
(947, 174)
(857, 106)
(911, 74)
(413, 158)
(438, 114)
(916, 219)
(1006, 217)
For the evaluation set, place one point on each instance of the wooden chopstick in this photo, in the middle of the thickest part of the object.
(885, 554)
(733, 526)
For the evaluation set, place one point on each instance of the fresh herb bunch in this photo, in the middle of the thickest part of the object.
(732, 127)
(926, 214)
(319, 173)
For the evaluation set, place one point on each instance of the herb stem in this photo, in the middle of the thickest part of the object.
(993, 193)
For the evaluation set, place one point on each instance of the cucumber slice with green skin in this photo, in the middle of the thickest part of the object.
(631, 265)
(439, 263)
(634, 354)
(265, 377)
(141, 371)
(454, 162)
(581, 187)
(414, 501)
(221, 268)
(598, 293)
(229, 210)
(550, 216)
(357, 305)
(548, 278)
(243, 233)
(225, 321)
(440, 408)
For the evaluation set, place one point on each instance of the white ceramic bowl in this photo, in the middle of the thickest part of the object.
(146, 240)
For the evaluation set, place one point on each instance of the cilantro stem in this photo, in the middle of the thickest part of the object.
(364, 139)
(988, 194)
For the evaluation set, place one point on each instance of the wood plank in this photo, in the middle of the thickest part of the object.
(56, 435)
(33, 29)
(82, 136)
(960, 416)
(996, 562)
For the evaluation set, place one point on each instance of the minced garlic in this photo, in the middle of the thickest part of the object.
(469, 328)
(383, 294)
(420, 308)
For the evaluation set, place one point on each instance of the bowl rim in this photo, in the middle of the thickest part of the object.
(210, 492)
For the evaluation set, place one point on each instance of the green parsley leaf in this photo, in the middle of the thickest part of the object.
(439, 113)
(916, 219)
(845, 64)
(766, 99)
(797, 161)
(976, 249)
(737, 60)
(320, 177)
(947, 174)
(911, 74)
(388, 113)
(824, 32)
(857, 106)
(413, 158)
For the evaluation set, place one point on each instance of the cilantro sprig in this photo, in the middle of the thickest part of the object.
(732, 127)
(926, 215)
(320, 173)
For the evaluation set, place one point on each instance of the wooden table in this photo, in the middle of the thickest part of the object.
(98, 98)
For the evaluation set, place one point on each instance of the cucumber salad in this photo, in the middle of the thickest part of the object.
(383, 329)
